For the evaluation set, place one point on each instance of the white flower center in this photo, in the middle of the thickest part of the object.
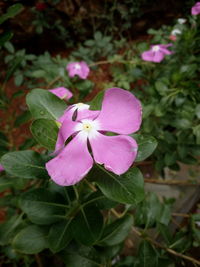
(155, 48)
(77, 66)
(88, 128)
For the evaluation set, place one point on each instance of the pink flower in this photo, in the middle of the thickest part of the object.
(173, 37)
(121, 113)
(156, 53)
(61, 92)
(78, 68)
(196, 9)
(1, 168)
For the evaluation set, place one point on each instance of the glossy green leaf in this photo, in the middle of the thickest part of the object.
(44, 104)
(42, 206)
(8, 228)
(127, 188)
(31, 240)
(60, 235)
(146, 146)
(116, 232)
(147, 255)
(87, 225)
(45, 132)
(25, 164)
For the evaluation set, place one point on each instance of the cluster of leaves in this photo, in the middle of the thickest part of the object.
(169, 92)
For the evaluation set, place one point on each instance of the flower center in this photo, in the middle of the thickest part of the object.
(88, 128)
(156, 48)
(77, 66)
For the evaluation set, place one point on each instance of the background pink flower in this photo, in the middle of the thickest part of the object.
(121, 113)
(61, 92)
(78, 68)
(196, 9)
(156, 53)
(1, 168)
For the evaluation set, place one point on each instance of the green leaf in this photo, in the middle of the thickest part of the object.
(98, 36)
(147, 255)
(96, 103)
(146, 146)
(25, 164)
(8, 228)
(127, 188)
(197, 111)
(115, 233)
(9, 46)
(5, 183)
(87, 225)
(11, 12)
(42, 206)
(45, 132)
(60, 235)
(44, 104)
(5, 37)
(161, 87)
(19, 79)
(77, 255)
(196, 132)
(31, 240)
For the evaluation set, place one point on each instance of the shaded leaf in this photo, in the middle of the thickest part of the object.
(25, 164)
(127, 188)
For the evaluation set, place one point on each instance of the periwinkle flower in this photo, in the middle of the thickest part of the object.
(156, 53)
(121, 113)
(196, 9)
(80, 69)
(61, 92)
(1, 168)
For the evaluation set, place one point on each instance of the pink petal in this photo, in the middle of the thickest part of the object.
(117, 153)
(165, 51)
(152, 56)
(66, 130)
(81, 113)
(158, 56)
(196, 9)
(61, 92)
(72, 164)
(82, 71)
(1, 168)
(121, 112)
